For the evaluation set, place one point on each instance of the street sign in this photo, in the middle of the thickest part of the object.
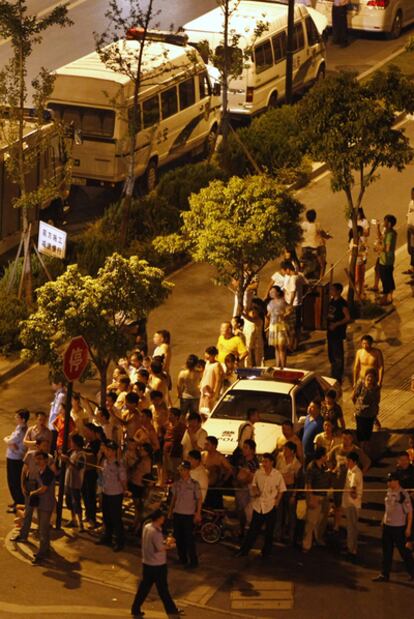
(52, 241)
(75, 359)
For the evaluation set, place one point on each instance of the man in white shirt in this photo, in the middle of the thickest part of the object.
(351, 502)
(267, 489)
(194, 437)
(198, 472)
(410, 234)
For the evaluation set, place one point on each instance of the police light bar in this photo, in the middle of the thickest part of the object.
(286, 376)
(137, 33)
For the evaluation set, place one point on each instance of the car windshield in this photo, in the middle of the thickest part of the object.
(273, 407)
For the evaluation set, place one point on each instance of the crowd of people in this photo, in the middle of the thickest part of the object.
(145, 435)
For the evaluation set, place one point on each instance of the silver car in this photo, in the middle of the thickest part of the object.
(388, 16)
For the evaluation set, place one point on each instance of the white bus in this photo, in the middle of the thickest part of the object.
(262, 82)
(178, 111)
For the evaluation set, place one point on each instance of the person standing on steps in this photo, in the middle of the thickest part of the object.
(154, 566)
(410, 235)
(396, 528)
(387, 259)
(368, 357)
(338, 318)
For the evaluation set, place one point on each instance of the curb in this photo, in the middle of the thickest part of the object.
(15, 370)
(22, 553)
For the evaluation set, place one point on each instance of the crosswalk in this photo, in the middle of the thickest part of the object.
(262, 595)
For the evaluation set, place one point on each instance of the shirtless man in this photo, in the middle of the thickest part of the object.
(215, 461)
(368, 357)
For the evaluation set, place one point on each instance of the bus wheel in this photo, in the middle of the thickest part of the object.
(273, 103)
(151, 175)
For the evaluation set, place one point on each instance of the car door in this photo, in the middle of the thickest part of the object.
(300, 60)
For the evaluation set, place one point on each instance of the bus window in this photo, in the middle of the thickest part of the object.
(204, 85)
(263, 56)
(298, 37)
(312, 31)
(187, 93)
(279, 46)
(151, 111)
(90, 121)
(169, 102)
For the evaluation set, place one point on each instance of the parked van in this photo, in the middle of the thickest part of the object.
(262, 82)
(278, 395)
(388, 16)
(47, 148)
(178, 111)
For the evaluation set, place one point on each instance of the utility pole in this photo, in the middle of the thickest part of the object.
(289, 51)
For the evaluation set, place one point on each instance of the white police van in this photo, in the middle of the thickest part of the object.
(178, 109)
(261, 83)
(278, 395)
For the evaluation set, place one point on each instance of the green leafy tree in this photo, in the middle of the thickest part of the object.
(350, 126)
(98, 308)
(24, 32)
(237, 227)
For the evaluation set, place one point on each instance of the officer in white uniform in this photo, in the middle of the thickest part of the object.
(396, 528)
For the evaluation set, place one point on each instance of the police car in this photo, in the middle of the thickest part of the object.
(278, 395)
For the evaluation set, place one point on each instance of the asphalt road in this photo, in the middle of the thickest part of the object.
(62, 46)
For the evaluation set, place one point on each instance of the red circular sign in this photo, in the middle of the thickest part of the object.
(75, 359)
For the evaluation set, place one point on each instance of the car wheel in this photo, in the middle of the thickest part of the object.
(210, 533)
(396, 28)
(151, 176)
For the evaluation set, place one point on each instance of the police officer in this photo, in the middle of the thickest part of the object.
(185, 509)
(396, 528)
(340, 22)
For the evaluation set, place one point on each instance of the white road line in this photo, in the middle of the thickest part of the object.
(47, 10)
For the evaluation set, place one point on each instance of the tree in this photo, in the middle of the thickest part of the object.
(130, 58)
(230, 61)
(350, 126)
(98, 308)
(25, 31)
(237, 227)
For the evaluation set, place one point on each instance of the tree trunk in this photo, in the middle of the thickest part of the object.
(27, 272)
(103, 376)
(225, 76)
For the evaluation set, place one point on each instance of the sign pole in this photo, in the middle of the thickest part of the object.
(68, 408)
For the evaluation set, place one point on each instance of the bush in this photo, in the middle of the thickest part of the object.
(12, 311)
(274, 142)
(39, 277)
(177, 185)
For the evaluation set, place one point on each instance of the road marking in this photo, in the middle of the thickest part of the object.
(99, 611)
(265, 595)
(47, 10)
